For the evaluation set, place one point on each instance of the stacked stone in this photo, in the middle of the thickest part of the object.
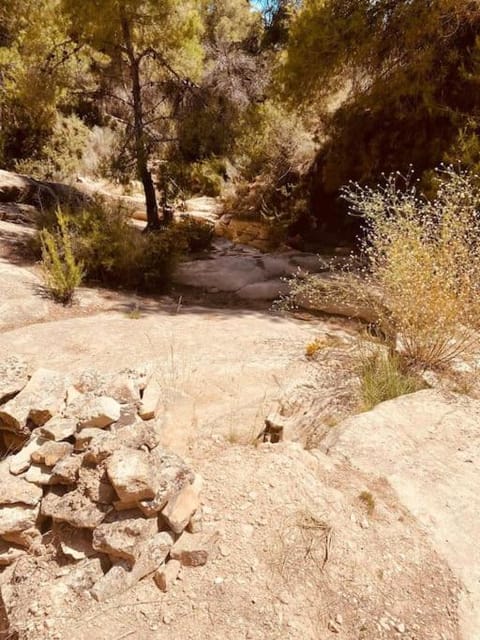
(90, 477)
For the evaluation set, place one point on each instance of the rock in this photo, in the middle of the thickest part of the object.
(166, 576)
(226, 273)
(9, 553)
(116, 581)
(51, 452)
(67, 469)
(196, 522)
(94, 483)
(41, 399)
(190, 550)
(20, 462)
(15, 518)
(152, 554)
(122, 577)
(95, 411)
(423, 445)
(90, 381)
(13, 377)
(132, 474)
(30, 538)
(58, 429)
(84, 437)
(134, 436)
(171, 476)
(181, 507)
(17, 490)
(39, 474)
(122, 389)
(74, 543)
(73, 507)
(121, 537)
(269, 290)
(151, 398)
(83, 576)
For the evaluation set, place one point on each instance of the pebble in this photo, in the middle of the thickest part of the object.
(339, 618)
(218, 580)
(400, 627)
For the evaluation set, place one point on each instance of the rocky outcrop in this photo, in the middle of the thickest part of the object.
(92, 481)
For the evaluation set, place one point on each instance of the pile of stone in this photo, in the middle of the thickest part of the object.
(84, 472)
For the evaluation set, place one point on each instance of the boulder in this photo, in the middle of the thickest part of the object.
(51, 452)
(426, 445)
(181, 507)
(75, 508)
(41, 399)
(269, 290)
(122, 536)
(132, 474)
(13, 377)
(226, 273)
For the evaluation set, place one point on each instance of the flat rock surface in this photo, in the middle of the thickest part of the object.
(427, 446)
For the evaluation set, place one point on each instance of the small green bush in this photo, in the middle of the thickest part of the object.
(198, 234)
(384, 376)
(114, 252)
(62, 272)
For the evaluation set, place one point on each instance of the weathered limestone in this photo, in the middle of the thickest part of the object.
(14, 489)
(15, 518)
(13, 377)
(151, 399)
(121, 538)
(132, 474)
(93, 411)
(94, 484)
(58, 428)
(75, 543)
(74, 508)
(51, 452)
(21, 461)
(41, 399)
(67, 469)
(39, 474)
(9, 553)
(167, 574)
(181, 507)
(190, 550)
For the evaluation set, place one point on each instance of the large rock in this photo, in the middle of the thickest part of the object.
(226, 273)
(58, 428)
(151, 398)
(134, 436)
(67, 469)
(427, 445)
(91, 411)
(190, 550)
(132, 474)
(122, 537)
(171, 475)
(13, 377)
(75, 508)
(41, 399)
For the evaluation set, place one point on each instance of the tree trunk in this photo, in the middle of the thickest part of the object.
(141, 151)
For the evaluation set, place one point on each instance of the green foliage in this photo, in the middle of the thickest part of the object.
(62, 272)
(197, 233)
(61, 156)
(384, 376)
(115, 253)
(389, 83)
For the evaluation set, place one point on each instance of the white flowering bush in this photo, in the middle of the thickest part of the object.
(421, 265)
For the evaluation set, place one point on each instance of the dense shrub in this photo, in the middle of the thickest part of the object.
(116, 253)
